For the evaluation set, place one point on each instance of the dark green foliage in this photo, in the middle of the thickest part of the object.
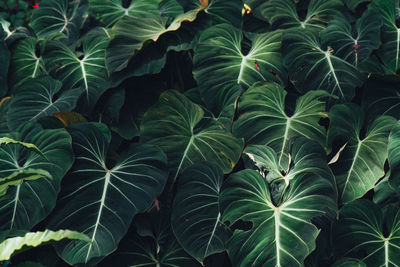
(200, 132)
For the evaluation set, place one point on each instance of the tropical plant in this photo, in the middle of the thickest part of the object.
(200, 133)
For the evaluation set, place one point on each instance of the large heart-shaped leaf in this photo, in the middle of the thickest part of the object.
(26, 62)
(63, 16)
(281, 234)
(263, 120)
(195, 215)
(86, 70)
(102, 198)
(25, 205)
(34, 239)
(365, 232)
(283, 13)
(130, 33)
(110, 11)
(354, 44)
(39, 98)
(311, 67)
(219, 60)
(175, 125)
(361, 163)
(390, 49)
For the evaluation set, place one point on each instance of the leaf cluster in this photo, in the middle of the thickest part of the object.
(201, 133)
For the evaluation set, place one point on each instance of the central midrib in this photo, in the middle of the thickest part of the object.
(102, 201)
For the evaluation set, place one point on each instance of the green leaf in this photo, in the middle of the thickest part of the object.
(281, 234)
(381, 98)
(23, 206)
(305, 156)
(4, 62)
(385, 193)
(195, 215)
(224, 104)
(104, 197)
(34, 239)
(219, 60)
(58, 16)
(361, 163)
(394, 158)
(353, 4)
(219, 11)
(348, 262)
(363, 229)
(7, 140)
(4, 106)
(176, 125)
(312, 68)
(283, 13)
(263, 119)
(389, 52)
(142, 251)
(110, 11)
(26, 61)
(354, 44)
(130, 34)
(152, 244)
(19, 177)
(39, 98)
(87, 71)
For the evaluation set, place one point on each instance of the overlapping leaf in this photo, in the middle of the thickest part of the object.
(282, 233)
(34, 239)
(25, 205)
(394, 158)
(143, 251)
(220, 11)
(365, 232)
(176, 125)
(27, 62)
(4, 60)
(305, 156)
(361, 163)
(353, 4)
(110, 11)
(263, 119)
(86, 70)
(196, 218)
(104, 199)
(283, 13)
(219, 60)
(63, 16)
(38, 99)
(152, 243)
(390, 49)
(354, 44)
(130, 33)
(381, 98)
(19, 177)
(311, 67)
